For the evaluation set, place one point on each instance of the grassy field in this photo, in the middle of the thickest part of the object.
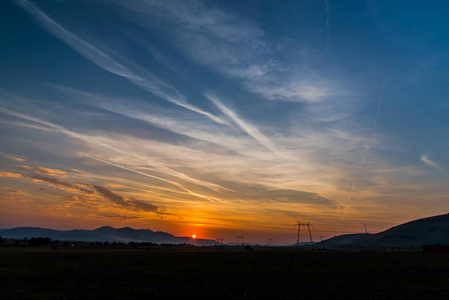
(210, 273)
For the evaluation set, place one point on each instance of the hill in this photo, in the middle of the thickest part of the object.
(426, 231)
(103, 234)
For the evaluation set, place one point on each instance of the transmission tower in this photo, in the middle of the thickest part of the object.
(220, 241)
(299, 224)
(270, 241)
(237, 238)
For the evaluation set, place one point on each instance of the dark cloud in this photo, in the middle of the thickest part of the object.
(128, 203)
(63, 183)
(259, 192)
(119, 217)
(12, 191)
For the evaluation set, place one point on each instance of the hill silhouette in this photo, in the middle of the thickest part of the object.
(426, 231)
(103, 234)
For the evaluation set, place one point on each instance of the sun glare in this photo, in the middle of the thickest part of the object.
(194, 236)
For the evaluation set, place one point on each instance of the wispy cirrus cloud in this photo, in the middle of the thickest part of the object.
(191, 168)
(234, 46)
(13, 157)
(145, 79)
(250, 129)
(428, 162)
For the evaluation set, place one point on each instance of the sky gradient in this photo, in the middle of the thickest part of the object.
(223, 118)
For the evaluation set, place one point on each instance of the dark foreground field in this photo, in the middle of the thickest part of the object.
(232, 274)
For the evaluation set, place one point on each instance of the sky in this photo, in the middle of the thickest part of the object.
(223, 118)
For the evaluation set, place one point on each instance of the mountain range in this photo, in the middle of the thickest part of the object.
(104, 234)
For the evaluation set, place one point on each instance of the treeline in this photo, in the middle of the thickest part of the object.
(48, 242)
(34, 241)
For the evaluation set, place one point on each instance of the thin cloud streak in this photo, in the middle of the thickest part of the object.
(14, 157)
(148, 82)
(97, 141)
(426, 160)
(178, 185)
(242, 124)
(236, 47)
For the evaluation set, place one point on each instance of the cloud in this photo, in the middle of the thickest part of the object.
(110, 143)
(70, 186)
(426, 160)
(128, 203)
(174, 183)
(15, 192)
(42, 174)
(145, 80)
(14, 157)
(250, 129)
(50, 172)
(296, 91)
(11, 174)
(234, 46)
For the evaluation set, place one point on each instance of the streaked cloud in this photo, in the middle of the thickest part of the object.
(145, 80)
(242, 124)
(426, 160)
(53, 177)
(234, 46)
(178, 115)
(128, 203)
(14, 158)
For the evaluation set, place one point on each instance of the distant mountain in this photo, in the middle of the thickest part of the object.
(427, 231)
(103, 234)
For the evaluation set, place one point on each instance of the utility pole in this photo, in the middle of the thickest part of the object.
(239, 238)
(365, 228)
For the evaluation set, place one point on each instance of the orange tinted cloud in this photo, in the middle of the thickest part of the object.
(48, 171)
(14, 158)
(24, 167)
(10, 174)
(92, 193)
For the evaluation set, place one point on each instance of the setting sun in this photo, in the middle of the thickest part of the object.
(194, 236)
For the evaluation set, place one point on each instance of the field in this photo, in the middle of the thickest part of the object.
(207, 273)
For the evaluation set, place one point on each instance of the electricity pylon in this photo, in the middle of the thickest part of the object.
(299, 224)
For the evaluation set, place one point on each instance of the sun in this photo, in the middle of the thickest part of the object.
(194, 236)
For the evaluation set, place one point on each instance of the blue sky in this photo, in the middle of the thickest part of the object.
(223, 117)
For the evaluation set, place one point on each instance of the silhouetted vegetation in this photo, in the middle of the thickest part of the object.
(39, 241)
